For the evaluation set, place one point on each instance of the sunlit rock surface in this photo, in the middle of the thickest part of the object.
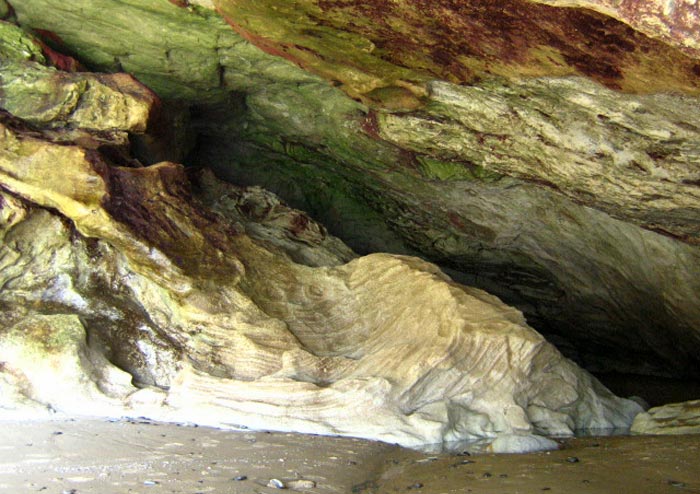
(675, 418)
(124, 294)
(546, 153)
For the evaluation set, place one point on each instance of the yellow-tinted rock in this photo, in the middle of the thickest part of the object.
(234, 332)
(675, 418)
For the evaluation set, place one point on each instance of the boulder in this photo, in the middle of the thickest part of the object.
(674, 418)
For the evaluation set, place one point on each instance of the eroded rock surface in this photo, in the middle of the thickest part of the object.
(132, 295)
(556, 164)
(542, 180)
(677, 22)
(676, 418)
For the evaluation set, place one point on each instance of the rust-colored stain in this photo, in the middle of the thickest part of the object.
(261, 42)
(462, 42)
(456, 220)
(680, 20)
(496, 31)
(157, 205)
(55, 58)
(370, 125)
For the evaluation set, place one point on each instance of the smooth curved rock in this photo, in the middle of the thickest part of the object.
(618, 297)
(221, 329)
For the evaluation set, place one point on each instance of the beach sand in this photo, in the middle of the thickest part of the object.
(139, 456)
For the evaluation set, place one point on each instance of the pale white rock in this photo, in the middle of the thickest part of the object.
(521, 443)
(45, 359)
(383, 347)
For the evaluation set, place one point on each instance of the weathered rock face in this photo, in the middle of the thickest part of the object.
(552, 158)
(676, 418)
(495, 179)
(384, 51)
(676, 22)
(129, 282)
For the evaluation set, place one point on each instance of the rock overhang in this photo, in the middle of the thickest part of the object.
(574, 268)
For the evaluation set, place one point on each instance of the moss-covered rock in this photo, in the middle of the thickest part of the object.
(45, 96)
(17, 45)
(560, 186)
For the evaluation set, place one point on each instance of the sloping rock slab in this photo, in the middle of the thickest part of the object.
(676, 418)
(124, 269)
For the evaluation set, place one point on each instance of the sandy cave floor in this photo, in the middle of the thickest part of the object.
(140, 456)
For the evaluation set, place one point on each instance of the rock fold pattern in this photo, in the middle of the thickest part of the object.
(547, 151)
(136, 290)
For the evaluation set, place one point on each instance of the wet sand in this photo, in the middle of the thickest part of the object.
(103, 457)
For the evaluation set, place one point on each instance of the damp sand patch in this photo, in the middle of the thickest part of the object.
(99, 456)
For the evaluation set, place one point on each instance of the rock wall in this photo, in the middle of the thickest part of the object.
(553, 160)
(540, 178)
(125, 293)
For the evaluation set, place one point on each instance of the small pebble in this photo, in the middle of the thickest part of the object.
(417, 485)
(240, 478)
(276, 484)
(572, 459)
(150, 482)
(57, 433)
(429, 459)
(675, 483)
(465, 462)
(487, 475)
(301, 484)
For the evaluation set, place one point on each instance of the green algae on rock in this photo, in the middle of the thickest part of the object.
(45, 96)
(263, 121)
(16, 44)
(218, 328)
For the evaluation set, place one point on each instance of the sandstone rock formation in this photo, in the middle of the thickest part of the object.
(547, 153)
(501, 197)
(125, 290)
(217, 328)
(675, 418)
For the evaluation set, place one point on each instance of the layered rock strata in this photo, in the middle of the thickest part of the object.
(675, 418)
(562, 177)
(131, 290)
